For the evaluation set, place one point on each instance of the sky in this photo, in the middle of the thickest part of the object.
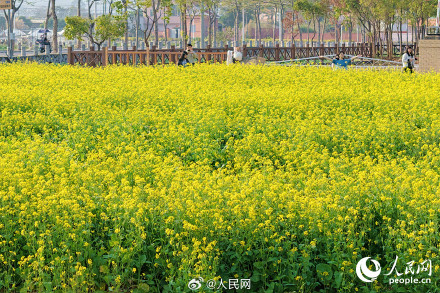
(43, 3)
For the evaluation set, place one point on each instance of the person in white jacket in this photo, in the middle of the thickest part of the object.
(235, 56)
(408, 60)
(238, 55)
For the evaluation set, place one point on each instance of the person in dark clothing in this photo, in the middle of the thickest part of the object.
(183, 60)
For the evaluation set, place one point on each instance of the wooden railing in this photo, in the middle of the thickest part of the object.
(213, 55)
(136, 57)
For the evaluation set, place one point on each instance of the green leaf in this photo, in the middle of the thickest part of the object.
(255, 276)
(338, 279)
(324, 271)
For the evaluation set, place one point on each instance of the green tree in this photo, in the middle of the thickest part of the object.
(106, 27)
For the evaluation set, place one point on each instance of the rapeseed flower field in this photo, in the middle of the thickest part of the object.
(142, 179)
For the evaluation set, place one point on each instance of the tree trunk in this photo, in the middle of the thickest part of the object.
(9, 24)
(202, 25)
(256, 26)
(126, 26)
(308, 32)
(165, 27)
(292, 28)
(281, 22)
(350, 31)
(259, 25)
(274, 28)
(190, 29)
(214, 29)
(137, 27)
(79, 14)
(55, 28)
(181, 26)
(416, 33)
(314, 30)
(400, 33)
(185, 27)
(46, 22)
(319, 29)
(155, 22)
(215, 25)
(89, 7)
(236, 25)
(209, 27)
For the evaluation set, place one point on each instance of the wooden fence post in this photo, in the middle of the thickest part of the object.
(321, 51)
(245, 51)
(114, 54)
(208, 56)
(292, 51)
(172, 55)
(277, 52)
(261, 49)
(135, 55)
(105, 56)
(69, 55)
(89, 56)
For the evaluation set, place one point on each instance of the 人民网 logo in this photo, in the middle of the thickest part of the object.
(364, 273)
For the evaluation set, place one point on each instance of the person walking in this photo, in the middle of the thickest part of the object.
(408, 60)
